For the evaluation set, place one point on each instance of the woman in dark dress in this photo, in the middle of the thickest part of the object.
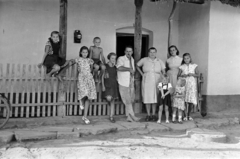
(51, 59)
(109, 83)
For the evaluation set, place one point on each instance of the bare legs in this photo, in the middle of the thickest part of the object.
(179, 115)
(150, 117)
(160, 114)
(85, 101)
(97, 77)
(188, 111)
(55, 69)
(110, 101)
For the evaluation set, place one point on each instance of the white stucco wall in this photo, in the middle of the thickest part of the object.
(26, 25)
(224, 50)
(194, 36)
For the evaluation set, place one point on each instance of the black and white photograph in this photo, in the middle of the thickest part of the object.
(119, 79)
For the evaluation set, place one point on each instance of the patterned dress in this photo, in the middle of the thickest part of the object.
(86, 85)
(191, 83)
(179, 102)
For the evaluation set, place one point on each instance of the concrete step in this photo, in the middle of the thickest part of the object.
(205, 135)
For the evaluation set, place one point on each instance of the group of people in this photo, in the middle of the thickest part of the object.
(171, 85)
(175, 88)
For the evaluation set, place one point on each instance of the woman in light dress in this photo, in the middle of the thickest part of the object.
(152, 70)
(173, 64)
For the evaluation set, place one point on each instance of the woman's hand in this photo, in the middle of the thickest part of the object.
(163, 96)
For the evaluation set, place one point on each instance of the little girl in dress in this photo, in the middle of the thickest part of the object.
(188, 70)
(178, 100)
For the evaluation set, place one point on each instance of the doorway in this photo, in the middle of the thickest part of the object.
(127, 39)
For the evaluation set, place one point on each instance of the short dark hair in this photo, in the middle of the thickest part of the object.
(152, 48)
(169, 54)
(111, 54)
(128, 46)
(54, 32)
(83, 48)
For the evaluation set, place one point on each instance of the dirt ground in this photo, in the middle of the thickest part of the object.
(127, 145)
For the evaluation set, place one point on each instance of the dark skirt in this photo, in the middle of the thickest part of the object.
(165, 101)
(51, 60)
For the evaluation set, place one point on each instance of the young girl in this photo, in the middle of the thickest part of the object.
(109, 83)
(178, 100)
(165, 89)
(86, 84)
(189, 71)
(51, 58)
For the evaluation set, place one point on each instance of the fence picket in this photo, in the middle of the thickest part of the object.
(12, 85)
(18, 87)
(34, 82)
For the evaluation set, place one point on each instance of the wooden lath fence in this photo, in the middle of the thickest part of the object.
(32, 95)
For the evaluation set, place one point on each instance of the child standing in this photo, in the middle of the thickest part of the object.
(178, 100)
(165, 89)
(51, 58)
(189, 71)
(109, 83)
(86, 85)
(96, 54)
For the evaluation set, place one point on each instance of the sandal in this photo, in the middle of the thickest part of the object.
(112, 119)
(167, 121)
(86, 120)
(159, 122)
(81, 107)
(185, 119)
(190, 118)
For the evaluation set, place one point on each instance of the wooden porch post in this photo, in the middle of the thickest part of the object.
(61, 111)
(170, 19)
(137, 53)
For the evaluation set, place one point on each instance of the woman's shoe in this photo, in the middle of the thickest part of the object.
(180, 122)
(147, 119)
(185, 118)
(174, 121)
(86, 121)
(159, 122)
(167, 121)
(154, 118)
(112, 119)
(81, 107)
(151, 118)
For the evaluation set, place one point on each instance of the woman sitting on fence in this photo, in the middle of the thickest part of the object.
(51, 58)
(86, 85)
